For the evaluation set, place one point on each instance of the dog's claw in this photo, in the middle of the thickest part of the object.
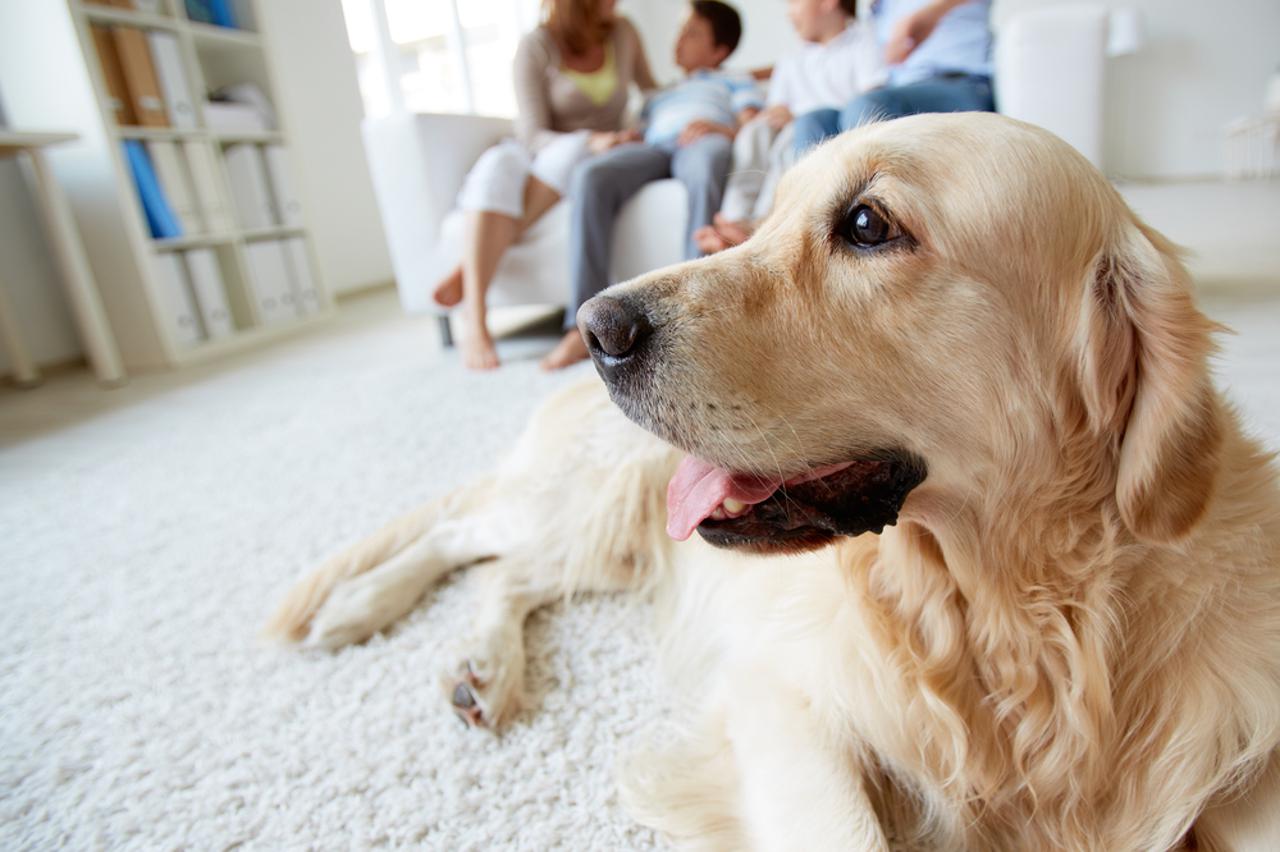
(463, 697)
(465, 705)
(480, 692)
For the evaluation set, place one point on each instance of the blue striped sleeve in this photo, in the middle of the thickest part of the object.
(744, 94)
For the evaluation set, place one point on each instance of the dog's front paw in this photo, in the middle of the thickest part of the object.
(484, 687)
(359, 608)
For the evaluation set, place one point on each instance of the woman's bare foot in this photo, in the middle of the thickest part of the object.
(478, 352)
(733, 233)
(708, 239)
(449, 291)
(570, 350)
(721, 234)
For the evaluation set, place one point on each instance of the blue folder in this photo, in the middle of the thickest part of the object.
(223, 14)
(200, 10)
(160, 217)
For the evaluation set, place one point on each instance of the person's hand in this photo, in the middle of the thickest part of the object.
(747, 114)
(777, 116)
(695, 130)
(910, 32)
(602, 140)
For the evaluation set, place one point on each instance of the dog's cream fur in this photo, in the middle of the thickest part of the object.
(1071, 637)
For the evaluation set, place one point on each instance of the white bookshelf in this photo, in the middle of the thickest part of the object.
(52, 77)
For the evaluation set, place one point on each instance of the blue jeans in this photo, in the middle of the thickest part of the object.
(938, 94)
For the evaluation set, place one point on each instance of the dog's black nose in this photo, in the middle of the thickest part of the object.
(612, 328)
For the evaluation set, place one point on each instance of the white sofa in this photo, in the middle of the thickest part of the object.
(1049, 71)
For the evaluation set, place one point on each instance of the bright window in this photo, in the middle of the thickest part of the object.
(437, 55)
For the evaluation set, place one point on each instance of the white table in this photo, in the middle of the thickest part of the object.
(86, 303)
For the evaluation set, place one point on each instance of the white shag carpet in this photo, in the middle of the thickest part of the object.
(142, 549)
(145, 533)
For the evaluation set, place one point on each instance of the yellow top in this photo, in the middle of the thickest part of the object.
(597, 85)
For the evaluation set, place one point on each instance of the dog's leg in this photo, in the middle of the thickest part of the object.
(485, 681)
(1250, 823)
(755, 773)
(417, 549)
(370, 584)
(688, 790)
(359, 607)
(799, 788)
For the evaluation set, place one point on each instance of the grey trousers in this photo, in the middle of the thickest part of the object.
(601, 185)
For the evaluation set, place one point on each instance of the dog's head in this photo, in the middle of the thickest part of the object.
(934, 298)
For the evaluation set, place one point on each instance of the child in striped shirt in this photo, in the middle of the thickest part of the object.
(688, 135)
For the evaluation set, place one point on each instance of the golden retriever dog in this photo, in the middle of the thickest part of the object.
(983, 560)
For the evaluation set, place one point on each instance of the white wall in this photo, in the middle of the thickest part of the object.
(315, 74)
(1204, 63)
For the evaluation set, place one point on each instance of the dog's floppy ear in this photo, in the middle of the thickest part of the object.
(1144, 350)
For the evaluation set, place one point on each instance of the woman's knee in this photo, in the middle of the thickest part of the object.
(502, 162)
(496, 181)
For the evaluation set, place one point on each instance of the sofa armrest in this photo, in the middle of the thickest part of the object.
(418, 162)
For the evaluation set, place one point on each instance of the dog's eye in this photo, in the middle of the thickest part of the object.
(864, 227)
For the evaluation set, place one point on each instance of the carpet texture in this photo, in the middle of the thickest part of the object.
(142, 550)
(144, 542)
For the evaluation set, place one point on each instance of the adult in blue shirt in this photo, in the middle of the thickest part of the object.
(939, 57)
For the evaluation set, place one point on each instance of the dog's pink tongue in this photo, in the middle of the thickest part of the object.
(697, 489)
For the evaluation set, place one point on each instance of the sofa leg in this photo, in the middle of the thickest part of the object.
(446, 331)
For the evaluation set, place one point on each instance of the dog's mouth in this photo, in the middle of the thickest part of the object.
(797, 513)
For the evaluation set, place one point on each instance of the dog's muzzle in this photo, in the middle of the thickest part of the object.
(616, 332)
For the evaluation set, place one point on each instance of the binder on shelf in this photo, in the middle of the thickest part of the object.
(166, 55)
(176, 304)
(222, 13)
(306, 294)
(175, 182)
(287, 206)
(140, 77)
(112, 75)
(200, 11)
(149, 6)
(269, 281)
(233, 118)
(252, 96)
(215, 210)
(211, 295)
(224, 117)
(249, 186)
(160, 218)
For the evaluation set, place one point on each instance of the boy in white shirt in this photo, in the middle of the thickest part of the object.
(839, 61)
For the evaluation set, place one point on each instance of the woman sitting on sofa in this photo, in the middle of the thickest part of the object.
(573, 75)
